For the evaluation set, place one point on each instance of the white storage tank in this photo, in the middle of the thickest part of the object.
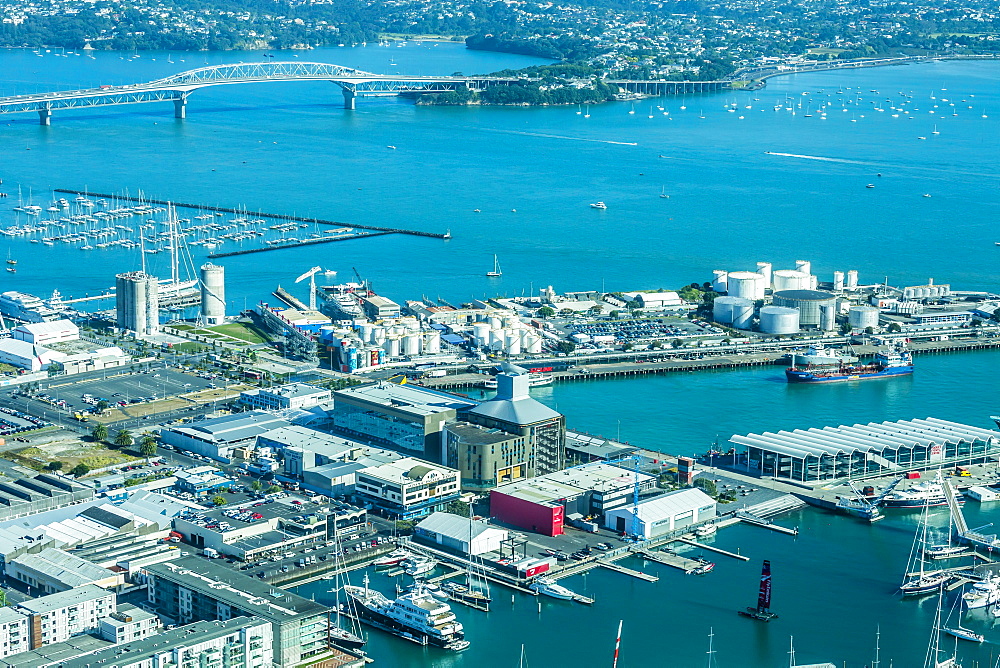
(790, 279)
(813, 282)
(213, 294)
(366, 331)
(496, 339)
(764, 269)
(805, 266)
(808, 303)
(512, 342)
(726, 309)
(779, 320)
(852, 279)
(745, 284)
(432, 341)
(828, 317)
(391, 346)
(532, 343)
(378, 335)
(719, 281)
(862, 317)
(495, 322)
(481, 334)
(838, 281)
(411, 344)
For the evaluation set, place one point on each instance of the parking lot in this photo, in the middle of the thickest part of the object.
(128, 389)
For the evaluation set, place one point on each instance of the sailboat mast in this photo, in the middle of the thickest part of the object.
(618, 643)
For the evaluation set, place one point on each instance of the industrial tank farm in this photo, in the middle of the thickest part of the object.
(813, 305)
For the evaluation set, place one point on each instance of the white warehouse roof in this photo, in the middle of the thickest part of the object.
(671, 504)
(456, 526)
(864, 437)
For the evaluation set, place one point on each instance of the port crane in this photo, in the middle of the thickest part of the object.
(311, 275)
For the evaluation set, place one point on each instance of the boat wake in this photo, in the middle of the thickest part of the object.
(820, 158)
(548, 136)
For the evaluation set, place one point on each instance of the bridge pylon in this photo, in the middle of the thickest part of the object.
(180, 105)
(45, 116)
(350, 97)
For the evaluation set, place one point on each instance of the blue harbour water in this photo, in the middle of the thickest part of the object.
(531, 172)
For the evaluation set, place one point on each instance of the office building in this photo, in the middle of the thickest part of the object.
(407, 488)
(292, 395)
(128, 624)
(512, 410)
(402, 417)
(137, 303)
(60, 616)
(486, 457)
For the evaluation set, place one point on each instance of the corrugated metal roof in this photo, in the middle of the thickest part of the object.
(671, 504)
(516, 411)
(454, 526)
(872, 437)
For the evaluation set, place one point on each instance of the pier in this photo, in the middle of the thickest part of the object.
(670, 559)
(298, 244)
(710, 548)
(259, 214)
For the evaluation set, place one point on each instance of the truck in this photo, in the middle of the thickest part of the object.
(211, 553)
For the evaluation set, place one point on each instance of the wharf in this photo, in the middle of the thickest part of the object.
(298, 244)
(618, 568)
(259, 214)
(670, 559)
(710, 548)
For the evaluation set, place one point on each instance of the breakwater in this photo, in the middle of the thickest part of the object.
(259, 214)
(297, 244)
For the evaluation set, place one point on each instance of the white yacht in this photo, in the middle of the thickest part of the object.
(598, 205)
(982, 594)
(534, 380)
(416, 616)
(549, 587)
(418, 565)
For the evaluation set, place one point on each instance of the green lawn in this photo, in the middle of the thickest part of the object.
(240, 331)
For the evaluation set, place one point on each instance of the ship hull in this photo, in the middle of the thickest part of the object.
(384, 622)
(799, 376)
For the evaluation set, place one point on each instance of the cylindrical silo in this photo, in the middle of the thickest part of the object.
(805, 266)
(779, 320)
(813, 282)
(838, 281)
(411, 344)
(828, 317)
(432, 341)
(862, 317)
(764, 269)
(495, 322)
(213, 294)
(534, 344)
(725, 309)
(719, 280)
(496, 339)
(745, 284)
(852, 279)
(808, 302)
(481, 334)
(790, 279)
(391, 346)
(743, 315)
(512, 342)
(366, 331)
(378, 335)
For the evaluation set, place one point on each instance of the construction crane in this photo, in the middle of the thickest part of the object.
(311, 275)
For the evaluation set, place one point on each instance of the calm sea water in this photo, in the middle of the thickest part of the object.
(532, 173)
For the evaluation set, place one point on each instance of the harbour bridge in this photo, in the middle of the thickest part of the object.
(352, 83)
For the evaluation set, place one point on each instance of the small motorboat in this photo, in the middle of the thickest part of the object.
(598, 205)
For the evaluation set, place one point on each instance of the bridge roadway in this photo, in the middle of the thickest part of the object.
(352, 83)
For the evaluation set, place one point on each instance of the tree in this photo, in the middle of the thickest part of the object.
(123, 439)
(676, 343)
(566, 347)
(256, 485)
(894, 327)
(99, 433)
(80, 470)
(707, 485)
(54, 466)
(459, 508)
(633, 305)
(616, 314)
(147, 446)
(273, 488)
(219, 500)
(102, 406)
(546, 312)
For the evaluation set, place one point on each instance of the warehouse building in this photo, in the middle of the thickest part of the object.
(832, 453)
(542, 504)
(53, 570)
(662, 514)
(28, 496)
(196, 589)
(215, 438)
(44, 333)
(462, 535)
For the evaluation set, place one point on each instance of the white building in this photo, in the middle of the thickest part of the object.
(663, 514)
(408, 487)
(53, 570)
(293, 395)
(61, 616)
(44, 333)
(658, 299)
(461, 534)
(26, 355)
(129, 623)
(14, 632)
